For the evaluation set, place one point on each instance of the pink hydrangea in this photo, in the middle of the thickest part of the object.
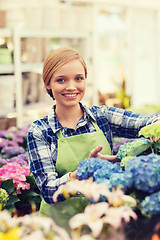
(16, 172)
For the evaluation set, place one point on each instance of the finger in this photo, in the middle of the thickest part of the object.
(73, 175)
(110, 158)
(95, 151)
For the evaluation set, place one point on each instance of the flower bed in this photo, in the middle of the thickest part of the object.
(15, 175)
(122, 199)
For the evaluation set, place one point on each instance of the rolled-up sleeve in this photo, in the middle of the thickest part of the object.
(125, 123)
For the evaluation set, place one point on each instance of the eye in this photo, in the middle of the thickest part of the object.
(79, 78)
(60, 80)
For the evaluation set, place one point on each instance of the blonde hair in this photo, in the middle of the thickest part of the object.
(56, 59)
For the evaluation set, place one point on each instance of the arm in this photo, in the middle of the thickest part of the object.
(122, 123)
(125, 123)
(42, 158)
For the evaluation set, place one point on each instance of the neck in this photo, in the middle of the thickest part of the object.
(69, 117)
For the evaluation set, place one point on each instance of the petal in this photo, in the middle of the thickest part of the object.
(96, 227)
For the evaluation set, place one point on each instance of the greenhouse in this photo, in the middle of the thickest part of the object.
(80, 120)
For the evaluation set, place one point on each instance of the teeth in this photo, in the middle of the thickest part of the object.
(70, 95)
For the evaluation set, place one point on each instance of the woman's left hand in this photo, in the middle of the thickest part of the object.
(96, 153)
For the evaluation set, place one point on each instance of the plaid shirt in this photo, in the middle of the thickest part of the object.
(42, 140)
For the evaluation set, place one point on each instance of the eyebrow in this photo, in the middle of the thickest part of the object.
(62, 76)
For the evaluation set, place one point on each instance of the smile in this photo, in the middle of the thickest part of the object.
(71, 95)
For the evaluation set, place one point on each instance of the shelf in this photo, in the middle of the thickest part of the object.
(17, 68)
(6, 32)
(32, 67)
(6, 68)
(44, 33)
(25, 67)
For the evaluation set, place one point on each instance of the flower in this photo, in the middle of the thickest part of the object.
(117, 198)
(151, 204)
(45, 225)
(30, 227)
(12, 151)
(92, 217)
(155, 237)
(16, 172)
(97, 215)
(118, 141)
(4, 197)
(124, 161)
(88, 188)
(114, 216)
(96, 168)
(127, 148)
(151, 131)
(145, 171)
(2, 161)
(12, 234)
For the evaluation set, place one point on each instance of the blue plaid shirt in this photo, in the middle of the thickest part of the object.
(42, 140)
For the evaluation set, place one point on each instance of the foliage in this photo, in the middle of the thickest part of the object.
(153, 133)
(150, 131)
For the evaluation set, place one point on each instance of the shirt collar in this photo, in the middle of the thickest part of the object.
(55, 124)
(87, 112)
(53, 121)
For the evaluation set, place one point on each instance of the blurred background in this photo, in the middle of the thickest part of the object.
(119, 40)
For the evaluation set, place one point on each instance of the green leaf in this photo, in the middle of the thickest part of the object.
(28, 193)
(157, 145)
(8, 185)
(139, 149)
(30, 179)
(12, 200)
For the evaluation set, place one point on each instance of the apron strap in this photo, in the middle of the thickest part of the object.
(60, 136)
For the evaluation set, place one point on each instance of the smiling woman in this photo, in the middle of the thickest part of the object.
(72, 132)
(68, 86)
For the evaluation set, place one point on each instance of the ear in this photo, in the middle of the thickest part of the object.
(48, 87)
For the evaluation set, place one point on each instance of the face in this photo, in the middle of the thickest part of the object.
(68, 84)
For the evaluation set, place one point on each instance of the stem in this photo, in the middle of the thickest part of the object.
(155, 147)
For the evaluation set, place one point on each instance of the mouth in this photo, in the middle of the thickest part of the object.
(70, 95)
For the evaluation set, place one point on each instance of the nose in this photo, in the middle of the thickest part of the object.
(71, 85)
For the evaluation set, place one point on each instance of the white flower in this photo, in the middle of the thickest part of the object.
(92, 217)
(114, 216)
(88, 188)
(35, 222)
(117, 198)
(6, 221)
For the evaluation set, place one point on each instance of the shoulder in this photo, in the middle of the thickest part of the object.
(96, 109)
(104, 110)
(39, 127)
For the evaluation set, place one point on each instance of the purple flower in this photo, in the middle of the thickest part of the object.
(18, 160)
(12, 151)
(3, 143)
(22, 159)
(3, 133)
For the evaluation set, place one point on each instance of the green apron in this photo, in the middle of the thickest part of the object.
(71, 151)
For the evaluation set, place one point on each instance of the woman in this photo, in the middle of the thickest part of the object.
(72, 132)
